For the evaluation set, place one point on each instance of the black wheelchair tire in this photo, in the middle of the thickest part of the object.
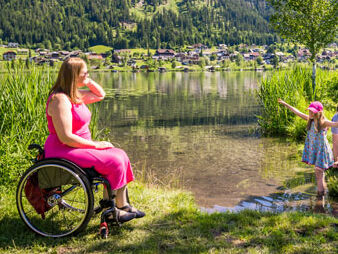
(83, 182)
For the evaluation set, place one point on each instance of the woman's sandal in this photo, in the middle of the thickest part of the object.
(128, 208)
(125, 217)
(121, 218)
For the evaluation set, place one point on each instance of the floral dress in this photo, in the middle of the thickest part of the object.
(317, 150)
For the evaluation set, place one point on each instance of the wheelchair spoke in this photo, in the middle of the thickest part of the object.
(63, 194)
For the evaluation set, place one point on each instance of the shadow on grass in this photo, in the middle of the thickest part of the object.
(185, 231)
(180, 232)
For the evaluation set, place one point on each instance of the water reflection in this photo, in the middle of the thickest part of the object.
(280, 202)
(198, 131)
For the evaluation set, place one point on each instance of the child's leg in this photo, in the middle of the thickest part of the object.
(320, 179)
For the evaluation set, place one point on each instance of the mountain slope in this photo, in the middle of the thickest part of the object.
(133, 23)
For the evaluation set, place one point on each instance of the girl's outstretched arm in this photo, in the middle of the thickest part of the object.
(294, 110)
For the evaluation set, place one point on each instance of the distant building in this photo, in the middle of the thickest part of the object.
(95, 57)
(13, 45)
(22, 51)
(164, 54)
(200, 46)
(9, 55)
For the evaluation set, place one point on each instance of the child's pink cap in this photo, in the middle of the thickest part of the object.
(315, 107)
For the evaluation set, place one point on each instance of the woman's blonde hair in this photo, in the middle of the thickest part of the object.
(67, 78)
(319, 120)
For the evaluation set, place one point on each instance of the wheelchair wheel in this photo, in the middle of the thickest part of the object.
(61, 205)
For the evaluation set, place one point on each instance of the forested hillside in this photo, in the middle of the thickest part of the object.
(67, 24)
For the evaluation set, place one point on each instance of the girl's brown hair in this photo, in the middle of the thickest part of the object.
(319, 120)
(67, 78)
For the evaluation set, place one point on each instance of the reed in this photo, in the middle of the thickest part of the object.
(23, 95)
(295, 88)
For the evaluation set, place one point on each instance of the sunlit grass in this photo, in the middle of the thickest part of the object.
(174, 224)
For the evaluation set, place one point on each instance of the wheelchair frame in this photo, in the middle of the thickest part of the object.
(68, 201)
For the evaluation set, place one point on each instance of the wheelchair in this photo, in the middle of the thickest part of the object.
(56, 198)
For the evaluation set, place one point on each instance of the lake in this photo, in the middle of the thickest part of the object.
(198, 131)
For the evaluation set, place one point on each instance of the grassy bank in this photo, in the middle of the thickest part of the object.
(175, 225)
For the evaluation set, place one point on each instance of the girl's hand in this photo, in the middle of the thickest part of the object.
(280, 101)
(100, 145)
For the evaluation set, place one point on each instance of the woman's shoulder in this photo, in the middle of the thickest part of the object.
(60, 98)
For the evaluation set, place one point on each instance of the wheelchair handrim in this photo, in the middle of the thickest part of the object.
(23, 213)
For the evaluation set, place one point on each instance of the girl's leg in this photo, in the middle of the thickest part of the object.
(320, 179)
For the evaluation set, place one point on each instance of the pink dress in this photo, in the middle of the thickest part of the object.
(112, 163)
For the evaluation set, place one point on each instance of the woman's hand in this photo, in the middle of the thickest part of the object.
(100, 145)
(85, 82)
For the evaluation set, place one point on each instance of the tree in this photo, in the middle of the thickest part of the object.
(259, 60)
(275, 61)
(309, 22)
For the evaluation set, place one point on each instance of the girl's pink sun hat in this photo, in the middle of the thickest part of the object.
(315, 107)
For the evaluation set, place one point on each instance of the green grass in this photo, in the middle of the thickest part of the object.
(99, 49)
(174, 224)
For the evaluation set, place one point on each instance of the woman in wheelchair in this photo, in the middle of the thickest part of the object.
(69, 136)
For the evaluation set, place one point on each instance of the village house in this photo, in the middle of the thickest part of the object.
(303, 54)
(222, 46)
(199, 46)
(121, 51)
(22, 51)
(13, 45)
(94, 56)
(164, 54)
(254, 55)
(54, 55)
(9, 55)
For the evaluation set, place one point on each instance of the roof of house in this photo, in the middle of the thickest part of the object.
(165, 51)
(9, 52)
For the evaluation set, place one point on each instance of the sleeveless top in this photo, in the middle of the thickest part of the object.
(80, 120)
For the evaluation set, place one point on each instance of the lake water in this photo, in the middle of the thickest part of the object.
(198, 132)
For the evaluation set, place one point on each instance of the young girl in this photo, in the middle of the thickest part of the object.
(317, 150)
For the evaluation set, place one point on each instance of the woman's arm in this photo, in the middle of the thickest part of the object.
(95, 93)
(59, 109)
(329, 123)
(294, 110)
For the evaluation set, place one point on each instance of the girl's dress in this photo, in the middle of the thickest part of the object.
(317, 150)
(112, 163)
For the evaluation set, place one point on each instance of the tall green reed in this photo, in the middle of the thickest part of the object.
(294, 87)
(23, 96)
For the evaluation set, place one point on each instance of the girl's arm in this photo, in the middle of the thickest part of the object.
(59, 109)
(294, 110)
(95, 93)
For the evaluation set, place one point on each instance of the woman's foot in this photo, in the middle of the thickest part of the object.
(128, 208)
(123, 216)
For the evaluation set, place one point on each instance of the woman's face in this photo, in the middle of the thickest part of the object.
(83, 74)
